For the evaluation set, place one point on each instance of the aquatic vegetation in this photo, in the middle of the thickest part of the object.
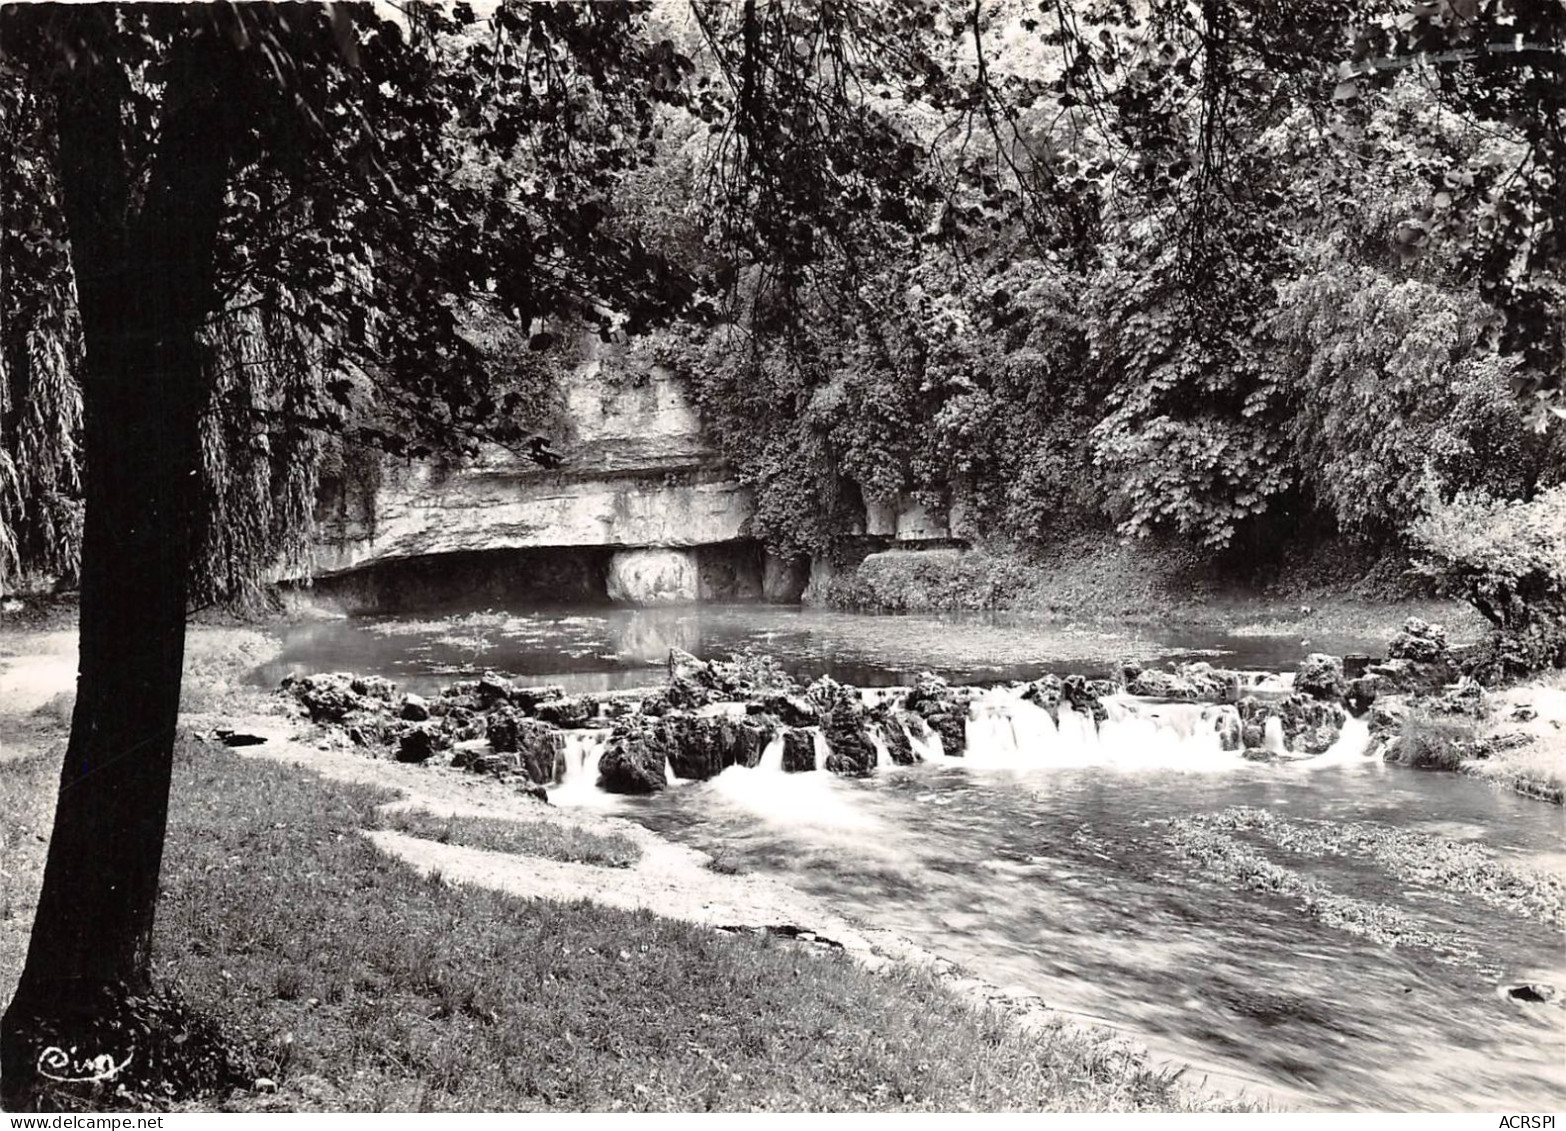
(1227, 860)
(1418, 858)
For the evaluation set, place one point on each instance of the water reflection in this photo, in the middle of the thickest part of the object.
(598, 648)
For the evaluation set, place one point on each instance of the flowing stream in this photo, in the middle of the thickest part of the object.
(1238, 917)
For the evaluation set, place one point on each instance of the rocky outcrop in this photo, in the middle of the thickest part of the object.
(576, 711)
(1321, 676)
(634, 760)
(799, 751)
(334, 697)
(846, 729)
(713, 716)
(1418, 660)
(943, 708)
(1188, 683)
(1310, 725)
(895, 724)
(1421, 642)
(420, 743)
(539, 747)
(702, 747)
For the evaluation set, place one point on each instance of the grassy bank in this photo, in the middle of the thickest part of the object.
(356, 985)
(1517, 740)
(1327, 591)
(1527, 734)
(548, 841)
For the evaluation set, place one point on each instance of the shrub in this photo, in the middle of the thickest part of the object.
(1437, 742)
(1507, 559)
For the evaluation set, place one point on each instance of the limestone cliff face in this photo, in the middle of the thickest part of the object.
(636, 479)
(635, 471)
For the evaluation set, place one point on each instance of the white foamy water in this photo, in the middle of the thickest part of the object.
(809, 800)
(1005, 731)
(772, 756)
(1352, 748)
(579, 786)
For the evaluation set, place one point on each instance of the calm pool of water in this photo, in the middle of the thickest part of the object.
(596, 648)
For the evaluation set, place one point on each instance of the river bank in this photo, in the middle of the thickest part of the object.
(706, 880)
(1320, 590)
(789, 1007)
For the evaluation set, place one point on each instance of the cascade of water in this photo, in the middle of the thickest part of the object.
(883, 756)
(1006, 730)
(1350, 749)
(822, 749)
(772, 756)
(923, 740)
(1272, 736)
(669, 774)
(582, 750)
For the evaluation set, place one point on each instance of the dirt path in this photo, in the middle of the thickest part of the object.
(670, 879)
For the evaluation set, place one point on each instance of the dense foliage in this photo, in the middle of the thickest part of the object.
(1508, 559)
(1190, 269)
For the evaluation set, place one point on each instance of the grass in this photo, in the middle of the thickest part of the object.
(519, 838)
(363, 986)
(27, 791)
(1436, 742)
(1534, 771)
(1538, 767)
(1097, 578)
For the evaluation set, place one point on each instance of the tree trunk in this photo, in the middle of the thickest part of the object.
(144, 284)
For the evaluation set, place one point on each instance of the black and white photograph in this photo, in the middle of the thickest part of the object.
(797, 556)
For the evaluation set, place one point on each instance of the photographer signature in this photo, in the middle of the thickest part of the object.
(57, 1064)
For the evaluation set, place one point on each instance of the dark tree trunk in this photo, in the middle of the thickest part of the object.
(144, 282)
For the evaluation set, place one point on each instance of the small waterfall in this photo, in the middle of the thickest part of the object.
(883, 756)
(669, 774)
(772, 756)
(583, 748)
(1351, 749)
(822, 749)
(925, 741)
(1272, 736)
(1006, 731)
